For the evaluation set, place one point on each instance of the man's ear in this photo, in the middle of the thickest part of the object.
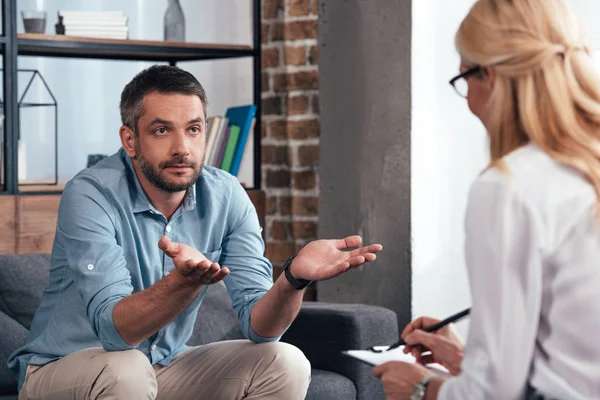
(127, 140)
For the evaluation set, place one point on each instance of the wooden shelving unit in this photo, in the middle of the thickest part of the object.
(60, 46)
(115, 49)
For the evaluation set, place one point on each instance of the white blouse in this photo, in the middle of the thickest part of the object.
(533, 257)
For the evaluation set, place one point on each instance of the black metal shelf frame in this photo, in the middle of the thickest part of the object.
(12, 46)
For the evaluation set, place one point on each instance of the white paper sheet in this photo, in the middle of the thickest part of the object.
(396, 354)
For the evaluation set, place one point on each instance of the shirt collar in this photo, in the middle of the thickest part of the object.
(140, 200)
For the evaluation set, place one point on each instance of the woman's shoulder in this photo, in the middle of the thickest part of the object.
(537, 179)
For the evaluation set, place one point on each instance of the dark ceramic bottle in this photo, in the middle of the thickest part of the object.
(174, 22)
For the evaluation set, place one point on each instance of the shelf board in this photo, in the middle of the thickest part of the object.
(31, 44)
(41, 188)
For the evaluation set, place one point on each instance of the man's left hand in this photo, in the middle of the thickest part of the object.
(400, 378)
(325, 259)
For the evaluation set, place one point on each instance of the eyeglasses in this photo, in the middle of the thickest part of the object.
(459, 82)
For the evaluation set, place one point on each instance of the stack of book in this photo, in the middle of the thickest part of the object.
(98, 24)
(230, 142)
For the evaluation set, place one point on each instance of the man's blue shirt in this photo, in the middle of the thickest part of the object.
(106, 248)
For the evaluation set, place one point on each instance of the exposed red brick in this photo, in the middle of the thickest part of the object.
(271, 105)
(298, 30)
(264, 33)
(304, 229)
(310, 293)
(285, 205)
(313, 7)
(303, 80)
(308, 155)
(277, 32)
(271, 205)
(263, 130)
(297, 105)
(278, 178)
(313, 55)
(280, 230)
(264, 82)
(270, 8)
(304, 180)
(278, 252)
(303, 129)
(297, 8)
(315, 104)
(302, 205)
(275, 155)
(278, 129)
(294, 55)
(270, 57)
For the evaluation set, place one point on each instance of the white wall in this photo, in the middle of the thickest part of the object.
(448, 151)
(88, 91)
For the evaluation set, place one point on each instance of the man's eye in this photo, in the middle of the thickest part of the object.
(161, 131)
(195, 129)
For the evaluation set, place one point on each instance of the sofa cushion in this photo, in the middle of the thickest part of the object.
(22, 281)
(12, 336)
(216, 319)
(326, 385)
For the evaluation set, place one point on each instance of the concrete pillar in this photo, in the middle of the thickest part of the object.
(364, 160)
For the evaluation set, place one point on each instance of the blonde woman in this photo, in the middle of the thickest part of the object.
(532, 223)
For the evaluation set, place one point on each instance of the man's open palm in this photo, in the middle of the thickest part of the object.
(191, 264)
(325, 259)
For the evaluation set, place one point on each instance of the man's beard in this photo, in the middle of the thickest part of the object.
(153, 174)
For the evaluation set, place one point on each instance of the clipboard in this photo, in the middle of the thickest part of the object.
(396, 354)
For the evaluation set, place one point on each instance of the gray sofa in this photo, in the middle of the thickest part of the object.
(321, 330)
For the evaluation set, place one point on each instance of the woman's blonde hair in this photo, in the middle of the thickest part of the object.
(546, 91)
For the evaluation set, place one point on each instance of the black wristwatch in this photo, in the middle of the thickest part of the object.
(299, 284)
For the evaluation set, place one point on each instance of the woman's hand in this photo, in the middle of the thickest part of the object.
(400, 378)
(443, 346)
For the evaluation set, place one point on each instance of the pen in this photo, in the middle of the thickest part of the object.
(432, 328)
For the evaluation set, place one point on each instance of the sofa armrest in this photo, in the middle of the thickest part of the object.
(323, 330)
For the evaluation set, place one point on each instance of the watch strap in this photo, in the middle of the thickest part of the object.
(297, 283)
(420, 388)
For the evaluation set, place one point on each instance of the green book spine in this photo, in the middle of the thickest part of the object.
(234, 135)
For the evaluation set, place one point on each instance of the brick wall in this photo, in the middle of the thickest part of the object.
(290, 126)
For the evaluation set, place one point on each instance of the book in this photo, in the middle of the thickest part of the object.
(218, 142)
(221, 148)
(232, 141)
(99, 24)
(246, 172)
(241, 116)
(214, 123)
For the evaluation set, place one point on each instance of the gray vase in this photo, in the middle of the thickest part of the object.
(174, 22)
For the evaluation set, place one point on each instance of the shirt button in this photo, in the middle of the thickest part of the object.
(153, 348)
(90, 267)
(168, 228)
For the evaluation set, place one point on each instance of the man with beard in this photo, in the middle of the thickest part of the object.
(139, 238)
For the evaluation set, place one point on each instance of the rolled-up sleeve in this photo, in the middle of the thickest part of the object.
(251, 274)
(86, 229)
(503, 254)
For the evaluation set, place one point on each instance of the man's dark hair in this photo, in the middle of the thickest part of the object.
(163, 79)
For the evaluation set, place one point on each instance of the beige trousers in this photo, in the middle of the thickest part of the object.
(227, 370)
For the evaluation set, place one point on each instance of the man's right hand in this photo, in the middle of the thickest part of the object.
(445, 345)
(192, 265)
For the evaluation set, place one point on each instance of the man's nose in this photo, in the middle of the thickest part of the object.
(180, 145)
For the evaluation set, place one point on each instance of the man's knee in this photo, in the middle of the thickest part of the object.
(129, 374)
(291, 362)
